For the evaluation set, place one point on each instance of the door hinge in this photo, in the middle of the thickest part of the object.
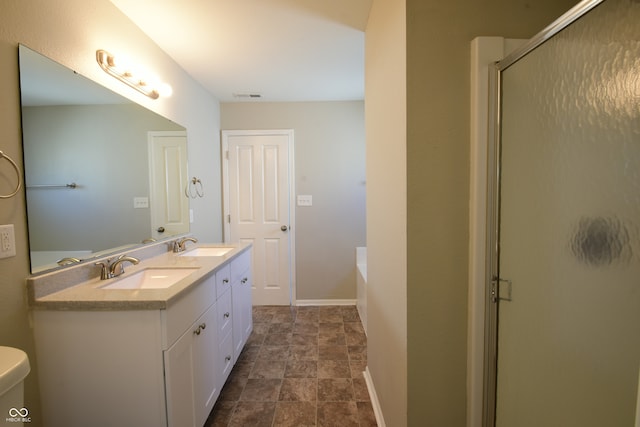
(229, 219)
(226, 154)
(501, 289)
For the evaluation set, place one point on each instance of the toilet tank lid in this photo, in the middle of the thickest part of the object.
(14, 367)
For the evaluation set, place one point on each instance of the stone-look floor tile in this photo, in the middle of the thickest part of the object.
(360, 390)
(355, 327)
(355, 338)
(278, 339)
(255, 414)
(261, 328)
(255, 339)
(303, 352)
(242, 369)
(331, 327)
(261, 390)
(309, 360)
(350, 314)
(333, 414)
(301, 369)
(299, 389)
(333, 369)
(366, 415)
(332, 352)
(335, 390)
(249, 354)
(357, 368)
(357, 352)
(281, 328)
(221, 414)
(304, 339)
(332, 338)
(295, 414)
(267, 369)
(273, 352)
(330, 316)
(307, 315)
(305, 328)
(233, 388)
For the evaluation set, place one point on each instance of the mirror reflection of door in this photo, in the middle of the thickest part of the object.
(168, 178)
(568, 351)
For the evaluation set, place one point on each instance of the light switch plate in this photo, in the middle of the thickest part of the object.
(7, 241)
(305, 200)
(140, 202)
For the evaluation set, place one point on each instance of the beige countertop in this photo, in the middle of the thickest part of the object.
(48, 292)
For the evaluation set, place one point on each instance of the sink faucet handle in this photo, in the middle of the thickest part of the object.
(104, 270)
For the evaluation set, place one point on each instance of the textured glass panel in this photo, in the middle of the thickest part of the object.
(569, 341)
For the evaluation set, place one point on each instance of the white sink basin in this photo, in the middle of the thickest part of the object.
(151, 278)
(207, 251)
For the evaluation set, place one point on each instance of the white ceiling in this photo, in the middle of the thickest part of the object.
(285, 50)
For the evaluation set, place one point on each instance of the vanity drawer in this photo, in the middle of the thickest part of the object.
(224, 314)
(225, 357)
(180, 315)
(223, 280)
(239, 265)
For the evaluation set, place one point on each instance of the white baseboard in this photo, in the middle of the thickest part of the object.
(377, 411)
(301, 302)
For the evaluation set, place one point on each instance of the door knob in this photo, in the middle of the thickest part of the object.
(284, 228)
(160, 230)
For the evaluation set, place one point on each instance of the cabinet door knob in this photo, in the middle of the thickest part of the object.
(228, 358)
(197, 331)
(225, 280)
(244, 280)
(227, 314)
(203, 325)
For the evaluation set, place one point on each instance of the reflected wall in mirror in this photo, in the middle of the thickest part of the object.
(87, 167)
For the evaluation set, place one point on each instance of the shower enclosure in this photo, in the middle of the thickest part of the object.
(564, 288)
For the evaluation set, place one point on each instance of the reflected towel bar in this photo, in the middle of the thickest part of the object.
(72, 185)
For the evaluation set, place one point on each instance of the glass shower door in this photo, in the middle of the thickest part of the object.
(568, 341)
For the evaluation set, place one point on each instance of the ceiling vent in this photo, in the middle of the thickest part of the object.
(247, 95)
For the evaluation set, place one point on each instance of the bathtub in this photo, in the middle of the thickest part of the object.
(361, 283)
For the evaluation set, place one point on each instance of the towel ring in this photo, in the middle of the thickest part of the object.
(17, 169)
(194, 185)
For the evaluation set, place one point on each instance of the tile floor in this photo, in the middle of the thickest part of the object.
(302, 366)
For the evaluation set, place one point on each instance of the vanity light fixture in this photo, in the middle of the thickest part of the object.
(134, 79)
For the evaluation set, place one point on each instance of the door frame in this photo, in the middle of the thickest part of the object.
(224, 155)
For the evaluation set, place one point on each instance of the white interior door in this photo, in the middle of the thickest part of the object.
(257, 171)
(167, 181)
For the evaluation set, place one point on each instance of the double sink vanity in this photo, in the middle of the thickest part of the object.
(151, 346)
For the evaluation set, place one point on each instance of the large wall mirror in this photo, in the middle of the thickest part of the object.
(102, 174)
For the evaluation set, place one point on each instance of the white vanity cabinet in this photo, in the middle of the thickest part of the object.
(191, 381)
(241, 283)
(141, 367)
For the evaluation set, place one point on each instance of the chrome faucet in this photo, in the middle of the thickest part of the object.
(178, 245)
(114, 269)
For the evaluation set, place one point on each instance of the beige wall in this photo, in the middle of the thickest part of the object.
(330, 166)
(69, 32)
(385, 106)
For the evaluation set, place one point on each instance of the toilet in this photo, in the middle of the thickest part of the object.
(14, 367)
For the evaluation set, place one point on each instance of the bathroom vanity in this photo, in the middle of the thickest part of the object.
(113, 352)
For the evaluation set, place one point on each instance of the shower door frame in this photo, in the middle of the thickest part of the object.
(492, 273)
